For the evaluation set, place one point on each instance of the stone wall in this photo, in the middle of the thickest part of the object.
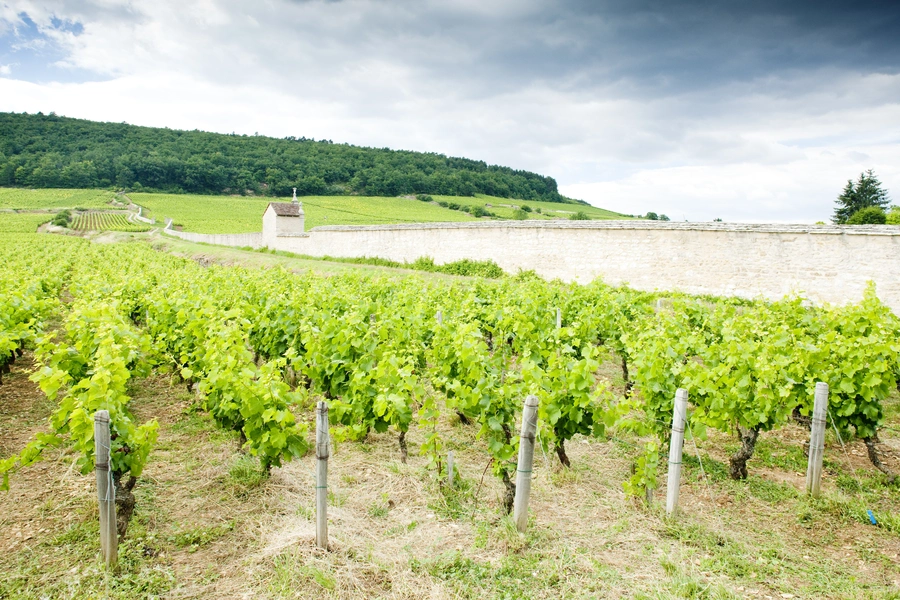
(825, 262)
(253, 240)
(140, 216)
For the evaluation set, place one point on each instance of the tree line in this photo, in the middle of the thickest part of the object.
(49, 151)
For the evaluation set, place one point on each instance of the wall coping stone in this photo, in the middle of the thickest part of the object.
(879, 230)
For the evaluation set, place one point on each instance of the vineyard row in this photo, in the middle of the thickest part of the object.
(260, 347)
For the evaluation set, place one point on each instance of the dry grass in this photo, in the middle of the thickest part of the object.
(208, 526)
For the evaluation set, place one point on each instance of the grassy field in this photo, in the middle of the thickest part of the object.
(16, 198)
(230, 214)
(253, 259)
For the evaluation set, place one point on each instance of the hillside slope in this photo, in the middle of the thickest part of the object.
(48, 151)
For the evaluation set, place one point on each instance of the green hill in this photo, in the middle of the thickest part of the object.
(48, 151)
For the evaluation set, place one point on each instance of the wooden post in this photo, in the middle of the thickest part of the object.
(817, 441)
(526, 459)
(440, 317)
(676, 445)
(106, 491)
(558, 319)
(450, 468)
(322, 452)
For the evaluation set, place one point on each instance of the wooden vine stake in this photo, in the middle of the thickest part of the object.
(440, 317)
(676, 446)
(322, 452)
(106, 491)
(558, 319)
(817, 441)
(526, 459)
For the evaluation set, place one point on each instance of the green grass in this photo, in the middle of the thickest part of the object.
(256, 259)
(231, 214)
(246, 473)
(22, 222)
(195, 537)
(234, 214)
(18, 198)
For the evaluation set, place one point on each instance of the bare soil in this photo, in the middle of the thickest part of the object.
(202, 530)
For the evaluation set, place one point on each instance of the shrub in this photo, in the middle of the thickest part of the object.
(472, 268)
(893, 217)
(478, 211)
(580, 216)
(424, 197)
(467, 267)
(871, 215)
(538, 210)
(443, 203)
(652, 216)
(423, 263)
(519, 214)
(528, 275)
(62, 218)
(453, 206)
(527, 208)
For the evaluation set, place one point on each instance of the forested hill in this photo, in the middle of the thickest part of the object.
(45, 151)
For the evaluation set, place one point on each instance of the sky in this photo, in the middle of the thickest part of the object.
(745, 111)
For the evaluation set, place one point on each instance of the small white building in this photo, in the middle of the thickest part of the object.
(283, 219)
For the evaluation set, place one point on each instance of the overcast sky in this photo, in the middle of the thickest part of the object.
(747, 111)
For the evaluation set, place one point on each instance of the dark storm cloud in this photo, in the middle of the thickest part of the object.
(671, 47)
(485, 48)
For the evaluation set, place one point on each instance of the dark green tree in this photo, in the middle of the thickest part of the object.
(52, 151)
(865, 192)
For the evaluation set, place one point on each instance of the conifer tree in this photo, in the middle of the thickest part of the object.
(866, 192)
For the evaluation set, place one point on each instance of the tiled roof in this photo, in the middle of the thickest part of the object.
(285, 209)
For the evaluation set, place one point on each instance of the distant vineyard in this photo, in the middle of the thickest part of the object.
(104, 221)
(18, 198)
(22, 222)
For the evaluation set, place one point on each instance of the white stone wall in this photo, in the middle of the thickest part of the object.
(826, 263)
(239, 240)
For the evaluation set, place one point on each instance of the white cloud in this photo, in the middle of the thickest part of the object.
(802, 191)
(5, 70)
(515, 83)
